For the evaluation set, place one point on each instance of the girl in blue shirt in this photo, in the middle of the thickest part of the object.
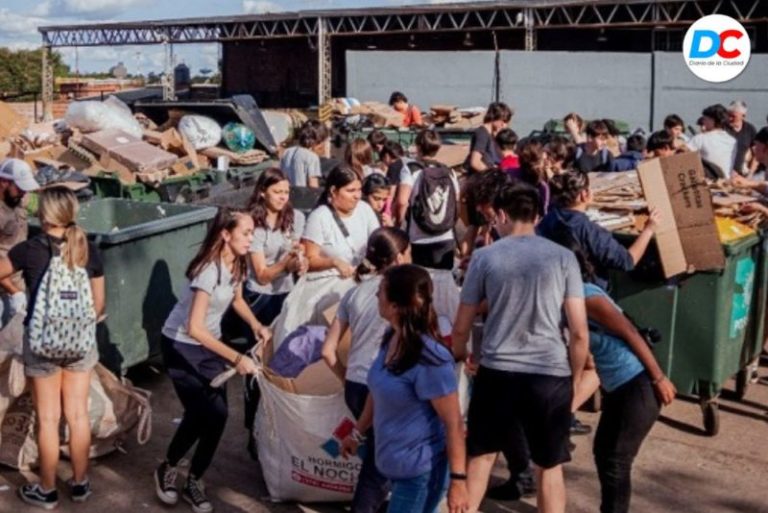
(413, 404)
(634, 387)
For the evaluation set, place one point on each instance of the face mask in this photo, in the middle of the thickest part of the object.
(13, 201)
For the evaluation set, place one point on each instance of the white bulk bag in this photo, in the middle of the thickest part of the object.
(203, 132)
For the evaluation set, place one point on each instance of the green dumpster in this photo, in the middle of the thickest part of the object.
(303, 199)
(178, 189)
(146, 248)
(711, 322)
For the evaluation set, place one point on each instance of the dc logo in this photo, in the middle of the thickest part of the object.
(716, 48)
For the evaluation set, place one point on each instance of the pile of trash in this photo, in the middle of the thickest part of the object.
(106, 139)
(379, 115)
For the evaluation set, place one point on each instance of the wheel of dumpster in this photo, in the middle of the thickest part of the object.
(742, 383)
(711, 413)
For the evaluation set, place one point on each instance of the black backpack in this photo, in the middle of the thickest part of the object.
(435, 207)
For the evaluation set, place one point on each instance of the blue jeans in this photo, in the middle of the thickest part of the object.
(420, 494)
(372, 487)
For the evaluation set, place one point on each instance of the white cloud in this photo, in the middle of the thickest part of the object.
(260, 7)
(86, 8)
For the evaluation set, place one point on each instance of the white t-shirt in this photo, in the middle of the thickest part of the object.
(717, 147)
(274, 244)
(323, 230)
(216, 281)
(299, 165)
(416, 235)
(360, 309)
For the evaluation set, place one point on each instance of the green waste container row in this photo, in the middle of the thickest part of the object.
(712, 323)
(146, 248)
(178, 189)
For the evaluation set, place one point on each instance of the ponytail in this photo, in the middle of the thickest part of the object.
(58, 208)
(74, 251)
(384, 245)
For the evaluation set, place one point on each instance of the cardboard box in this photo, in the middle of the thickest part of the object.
(316, 379)
(687, 237)
(104, 141)
(452, 155)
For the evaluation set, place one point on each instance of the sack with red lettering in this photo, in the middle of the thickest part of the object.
(298, 429)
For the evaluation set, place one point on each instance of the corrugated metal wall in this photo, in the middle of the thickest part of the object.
(636, 88)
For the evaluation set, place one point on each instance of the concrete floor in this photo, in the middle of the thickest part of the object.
(678, 469)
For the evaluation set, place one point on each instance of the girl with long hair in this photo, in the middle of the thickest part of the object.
(376, 192)
(359, 312)
(337, 230)
(194, 354)
(359, 157)
(634, 387)
(275, 255)
(413, 403)
(58, 384)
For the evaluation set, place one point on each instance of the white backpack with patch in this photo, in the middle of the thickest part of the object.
(63, 323)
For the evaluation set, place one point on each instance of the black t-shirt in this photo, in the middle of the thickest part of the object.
(586, 163)
(32, 257)
(483, 143)
(744, 140)
(393, 172)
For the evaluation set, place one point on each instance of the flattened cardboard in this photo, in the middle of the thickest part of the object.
(452, 155)
(104, 141)
(687, 236)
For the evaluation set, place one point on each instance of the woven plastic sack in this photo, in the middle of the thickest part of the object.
(92, 116)
(238, 137)
(201, 131)
(313, 294)
(298, 439)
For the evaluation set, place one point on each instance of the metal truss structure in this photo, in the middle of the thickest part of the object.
(532, 15)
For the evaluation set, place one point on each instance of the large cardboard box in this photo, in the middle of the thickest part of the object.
(687, 236)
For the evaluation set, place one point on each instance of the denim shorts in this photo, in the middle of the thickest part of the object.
(40, 367)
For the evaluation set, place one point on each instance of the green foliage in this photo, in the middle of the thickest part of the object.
(21, 70)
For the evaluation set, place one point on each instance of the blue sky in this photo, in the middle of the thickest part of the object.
(19, 20)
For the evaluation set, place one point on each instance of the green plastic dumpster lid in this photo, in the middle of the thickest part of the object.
(114, 220)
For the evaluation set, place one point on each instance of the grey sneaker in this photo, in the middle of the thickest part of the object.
(194, 494)
(34, 495)
(165, 484)
(79, 491)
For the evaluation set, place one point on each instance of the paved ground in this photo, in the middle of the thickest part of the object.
(678, 469)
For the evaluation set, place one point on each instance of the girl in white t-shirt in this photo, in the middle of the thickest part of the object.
(337, 230)
(194, 354)
(359, 312)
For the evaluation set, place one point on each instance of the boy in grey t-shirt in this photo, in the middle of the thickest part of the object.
(524, 386)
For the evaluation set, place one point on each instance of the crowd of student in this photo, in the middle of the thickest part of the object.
(383, 229)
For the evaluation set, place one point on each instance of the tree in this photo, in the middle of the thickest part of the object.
(21, 70)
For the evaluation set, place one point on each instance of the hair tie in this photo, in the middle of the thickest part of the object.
(368, 265)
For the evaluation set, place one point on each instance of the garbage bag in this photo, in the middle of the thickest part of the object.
(93, 116)
(202, 131)
(238, 137)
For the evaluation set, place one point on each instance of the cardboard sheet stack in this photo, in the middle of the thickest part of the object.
(697, 215)
(454, 118)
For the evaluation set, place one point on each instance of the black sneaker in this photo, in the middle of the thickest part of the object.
(79, 491)
(165, 484)
(579, 428)
(34, 495)
(194, 494)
